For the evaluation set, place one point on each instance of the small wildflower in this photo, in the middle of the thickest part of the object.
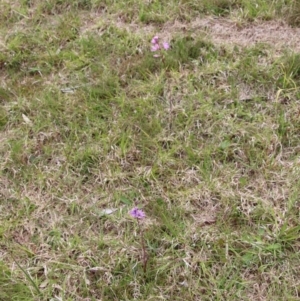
(140, 214)
(137, 213)
(155, 47)
(166, 45)
(154, 40)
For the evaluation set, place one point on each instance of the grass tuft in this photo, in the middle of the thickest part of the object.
(293, 18)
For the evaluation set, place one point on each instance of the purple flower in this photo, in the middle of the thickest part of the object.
(154, 40)
(166, 45)
(155, 47)
(137, 213)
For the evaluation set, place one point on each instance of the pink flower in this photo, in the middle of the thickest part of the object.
(155, 47)
(166, 45)
(154, 40)
(137, 213)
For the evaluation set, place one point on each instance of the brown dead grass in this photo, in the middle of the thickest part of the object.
(222, 31)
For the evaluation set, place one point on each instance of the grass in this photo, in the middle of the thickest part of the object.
(204, 138)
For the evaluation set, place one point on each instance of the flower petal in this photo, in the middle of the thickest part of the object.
(155, 47)
(154, 40)
(166, 45)
(137, 213)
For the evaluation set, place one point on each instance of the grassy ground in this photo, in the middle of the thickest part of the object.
(204, 138)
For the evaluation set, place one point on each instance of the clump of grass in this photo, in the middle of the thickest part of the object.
(290, 71)
(12, 287)
(216, 7)
(60, 7)
(293, 15)
(184, 51)
(3, 117)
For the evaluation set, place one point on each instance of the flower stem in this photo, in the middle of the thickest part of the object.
(144, 252)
